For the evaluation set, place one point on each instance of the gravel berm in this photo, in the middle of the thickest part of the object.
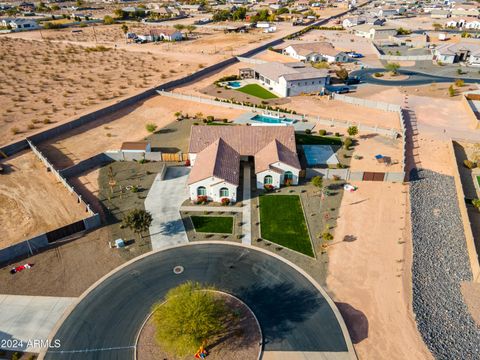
(440, 264)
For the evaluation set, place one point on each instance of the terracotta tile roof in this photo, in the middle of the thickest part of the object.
(218, 159)
(275, 152)
(246, 140)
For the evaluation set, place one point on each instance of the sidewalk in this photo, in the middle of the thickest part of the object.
(24, 319)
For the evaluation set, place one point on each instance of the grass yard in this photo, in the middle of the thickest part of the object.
(213, 224)
(282, 222)
(305, 139)
(258, 91)
(478, 180)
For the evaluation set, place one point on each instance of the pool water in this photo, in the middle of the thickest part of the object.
(234, 84)
(272, 120)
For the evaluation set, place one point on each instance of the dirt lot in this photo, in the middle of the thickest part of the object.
(67, 270)
(369, 145)
(104, 72)
(369, 273)
(110, 132)
(32, 201)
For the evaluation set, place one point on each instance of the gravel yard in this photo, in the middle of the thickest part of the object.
(440, 265)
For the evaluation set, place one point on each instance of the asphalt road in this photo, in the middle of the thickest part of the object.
(293, 314)
(415, 78)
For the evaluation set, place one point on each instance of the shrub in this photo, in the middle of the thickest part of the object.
(108, 20)
(225, 201)
(317, 181)
(469, 164)
(288, 182)
(308, 131)
(134, 189)
(322, 132)
(451, 91)
(151, 127)
(327, 236)
(377, 74)
(337, 134)
(15, 130)
(347, 143)
(210, 118)
(47, 121)
(459, 83)
(268, 187)
(352, 130)
(476, 203)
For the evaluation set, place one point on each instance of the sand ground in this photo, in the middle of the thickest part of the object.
(369, 274)
(32, 200)
(110, 132)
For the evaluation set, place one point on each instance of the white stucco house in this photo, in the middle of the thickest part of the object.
(19, 24)
(468, 52)
(374, 32)
(165, 34)
(316, 51)
(216, 152)
(288, 79)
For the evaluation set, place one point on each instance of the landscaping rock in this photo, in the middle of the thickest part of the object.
(440, 264)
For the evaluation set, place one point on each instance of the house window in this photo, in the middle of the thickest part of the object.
(201, 191)
(224, 192)
(288, 175)
(268, 180)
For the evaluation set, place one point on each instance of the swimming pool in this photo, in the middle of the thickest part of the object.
(234, 84)
(272, 120)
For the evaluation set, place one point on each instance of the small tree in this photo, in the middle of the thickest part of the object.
(459, 83)
(190, 28)
(137, 220)
(451, 91)
(393, 67)
(317, 181)
(437, 26)
(189, 317)
(151, 127)
(352, 130)
(108, 20)
(347, 143)
(124, 28)
(476, 203)
(342, 74)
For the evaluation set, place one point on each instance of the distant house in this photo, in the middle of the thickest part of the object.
(288, 79)
(472, 25)
(440, 14)
(473, 12)
(216, 153)
(353, 21)
(165, 34)
(316, 51)
(26, 6)
(20, 24)
(459, 52)
(374, 32)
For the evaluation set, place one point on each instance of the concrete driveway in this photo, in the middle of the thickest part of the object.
(163, 201)
(24, 319)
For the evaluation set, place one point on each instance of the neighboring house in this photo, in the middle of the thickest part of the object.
(466, 12)
(288, 79)
(374, 32)
(26, 6)
(440, 14)
(215, 154)
(387, 12)
(20, 24)
(460, 52)
(472, 25)
(353, 21)
(316, 51)
(136, 147)
(165, 34)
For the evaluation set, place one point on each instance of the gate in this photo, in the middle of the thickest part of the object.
(65, 231)
(373, 176)
(174, 157)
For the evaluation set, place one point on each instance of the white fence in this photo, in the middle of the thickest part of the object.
(406, 58)
(347, 175)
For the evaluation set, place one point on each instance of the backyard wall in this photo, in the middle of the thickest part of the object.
(347, 175)
(474, 118)
(467, 226)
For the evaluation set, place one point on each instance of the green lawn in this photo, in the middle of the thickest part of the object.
(478, 180)
(213, 224)
(305, 139)
(282, 222)
(258, 91)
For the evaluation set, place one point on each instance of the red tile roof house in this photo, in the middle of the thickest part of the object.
(216, 152)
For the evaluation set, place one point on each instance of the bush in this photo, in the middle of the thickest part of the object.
(337, 134)
(327, 236)
(377, 74)
(108, 20)
(317, 181)
(151, 127)
(476, 203)
(308, 131)
(268, 187)
(451, 91)
(352, 130)
(459, 83)
(15, 130)
(225, 201)
(347, 143)
(202, 199)
(210, 118)
(322, 132)
(469, 164)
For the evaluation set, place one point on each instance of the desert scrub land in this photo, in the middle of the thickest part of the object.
(54, 82)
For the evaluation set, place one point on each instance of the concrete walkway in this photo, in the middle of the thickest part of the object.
(24, 319)
(247, 207)
(163, 202)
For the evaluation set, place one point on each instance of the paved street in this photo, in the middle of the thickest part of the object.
(163, 201)
(294, 315)
(24, 318)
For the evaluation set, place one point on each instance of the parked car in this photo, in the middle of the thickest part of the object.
(354, 55)
(338, 89)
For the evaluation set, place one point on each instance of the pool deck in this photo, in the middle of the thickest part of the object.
(247, 119)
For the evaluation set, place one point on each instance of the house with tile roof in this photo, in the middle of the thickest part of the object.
(315, 52)
(216, 153)
(468, 52)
